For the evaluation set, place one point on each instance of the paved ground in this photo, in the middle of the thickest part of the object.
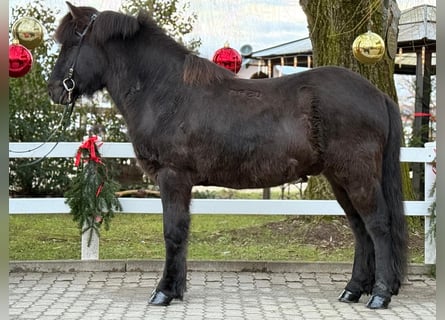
(212, 295)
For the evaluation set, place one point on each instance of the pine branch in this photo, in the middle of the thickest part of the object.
(92, 196)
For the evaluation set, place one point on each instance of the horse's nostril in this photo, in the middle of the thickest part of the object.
(51, 90)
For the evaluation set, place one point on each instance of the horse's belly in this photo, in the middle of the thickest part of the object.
(261, 175)
(247, 182)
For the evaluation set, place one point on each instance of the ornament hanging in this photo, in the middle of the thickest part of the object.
(228, 58)
(20, 60)
(28, 31)
(92, 196)
(368, 47)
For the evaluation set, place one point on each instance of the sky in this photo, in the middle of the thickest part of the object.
(259, 23)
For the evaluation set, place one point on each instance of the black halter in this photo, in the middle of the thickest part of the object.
(68, 83)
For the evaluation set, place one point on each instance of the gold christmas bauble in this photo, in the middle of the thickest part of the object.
(28, 31)
(368, 47)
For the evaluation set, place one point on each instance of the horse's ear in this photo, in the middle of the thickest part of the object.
(110, 24)
(74, 11)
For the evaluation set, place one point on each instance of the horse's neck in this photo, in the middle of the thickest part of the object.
(142, 70)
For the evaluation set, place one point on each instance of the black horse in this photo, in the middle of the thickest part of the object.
(192, 122)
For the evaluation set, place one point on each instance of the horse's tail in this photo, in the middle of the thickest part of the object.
(392, 191)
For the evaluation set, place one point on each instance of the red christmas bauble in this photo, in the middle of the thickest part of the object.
(228, 58)
(20, 60)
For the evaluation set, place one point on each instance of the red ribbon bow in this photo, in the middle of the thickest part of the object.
(90, 145)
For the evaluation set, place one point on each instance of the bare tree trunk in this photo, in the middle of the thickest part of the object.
(334, 25)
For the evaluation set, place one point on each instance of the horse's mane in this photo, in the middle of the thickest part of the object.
(111, 24)
(107, 25)
(199, 71)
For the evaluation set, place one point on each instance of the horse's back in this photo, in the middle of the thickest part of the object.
(336, 91)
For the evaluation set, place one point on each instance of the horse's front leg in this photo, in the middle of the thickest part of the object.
(176, 194)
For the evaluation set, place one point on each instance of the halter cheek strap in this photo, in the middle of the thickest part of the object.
(68, 83)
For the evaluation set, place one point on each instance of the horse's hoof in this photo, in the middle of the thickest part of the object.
(378, 302)
(349, 297)
(158, 298)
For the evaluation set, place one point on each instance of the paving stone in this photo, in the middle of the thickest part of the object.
(210, 295)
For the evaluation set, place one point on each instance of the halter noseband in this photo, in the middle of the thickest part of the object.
(68, 83)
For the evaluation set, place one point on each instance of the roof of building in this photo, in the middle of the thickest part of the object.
(298, 46)
(418, 23)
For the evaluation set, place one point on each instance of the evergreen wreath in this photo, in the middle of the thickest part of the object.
(92, 196)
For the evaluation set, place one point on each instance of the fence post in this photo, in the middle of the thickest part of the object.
(90, 252)
(430, 178)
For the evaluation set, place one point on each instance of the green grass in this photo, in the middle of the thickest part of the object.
(134, 236)
(212, 237)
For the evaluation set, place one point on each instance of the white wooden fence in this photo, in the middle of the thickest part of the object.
(214, 206)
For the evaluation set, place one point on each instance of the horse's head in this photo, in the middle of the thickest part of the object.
(83, 62)
(79, 63)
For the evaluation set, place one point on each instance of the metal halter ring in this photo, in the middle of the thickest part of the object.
(69, 84)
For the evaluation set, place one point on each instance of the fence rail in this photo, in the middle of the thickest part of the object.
(424, 155)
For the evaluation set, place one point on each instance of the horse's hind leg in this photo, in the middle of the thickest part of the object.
(367, 198)
(378, 224)
(176, 195)
(363, 269)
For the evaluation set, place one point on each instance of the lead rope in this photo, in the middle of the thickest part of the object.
(62, 124)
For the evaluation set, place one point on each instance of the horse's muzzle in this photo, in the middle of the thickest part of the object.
(57, 92)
